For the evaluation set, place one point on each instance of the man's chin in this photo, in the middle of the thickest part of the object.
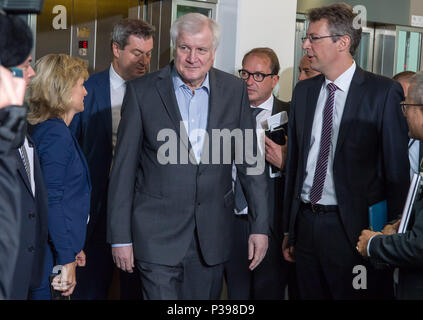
(415, 136)
(139, 74)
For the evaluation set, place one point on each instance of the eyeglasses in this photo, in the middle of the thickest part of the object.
(315, 38)
(404, 106)
(257, 76)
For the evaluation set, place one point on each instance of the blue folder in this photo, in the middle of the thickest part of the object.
(378, 216)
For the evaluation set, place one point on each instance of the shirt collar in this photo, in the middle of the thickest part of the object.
(267, 105)
(178, 83)
(344, 80)
(116, 81)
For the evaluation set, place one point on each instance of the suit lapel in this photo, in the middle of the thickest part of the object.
(102, 94)
(279, 106)
(212, 116)
(167, 93)
(275, 107)
(82, 157)
(352, 104)
(310, 108)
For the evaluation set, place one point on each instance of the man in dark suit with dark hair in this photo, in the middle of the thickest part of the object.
(403, 250)
(34, 212)
(170, 196)
(260, 69)
(28, 187)
(12, 119)
(96, 130)
(347, 150)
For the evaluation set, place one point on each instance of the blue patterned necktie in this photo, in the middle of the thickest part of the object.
(325, 140)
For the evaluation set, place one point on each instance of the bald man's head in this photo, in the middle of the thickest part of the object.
(306, 72)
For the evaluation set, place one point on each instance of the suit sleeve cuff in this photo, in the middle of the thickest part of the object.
(368, 246)
(65, 256)
(118, 245)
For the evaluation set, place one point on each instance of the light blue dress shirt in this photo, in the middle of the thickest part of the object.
(194, 109)
(413, 156)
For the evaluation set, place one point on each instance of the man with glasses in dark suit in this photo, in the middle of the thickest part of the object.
(347, 151)
(260, 68)
(403, 250)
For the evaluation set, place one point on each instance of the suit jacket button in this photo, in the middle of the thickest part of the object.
(31, 215)
(31, 249)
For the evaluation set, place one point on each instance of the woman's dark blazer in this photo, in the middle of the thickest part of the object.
(67, 179)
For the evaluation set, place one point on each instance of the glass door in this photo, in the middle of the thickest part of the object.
(300, 32)
(408, 49)
(364, 53)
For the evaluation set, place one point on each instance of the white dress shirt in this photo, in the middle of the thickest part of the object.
(343, 83)
(117, 92)
(413, 156)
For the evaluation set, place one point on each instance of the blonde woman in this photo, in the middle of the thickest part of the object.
(56, 94)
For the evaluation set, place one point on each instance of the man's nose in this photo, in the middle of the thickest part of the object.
(142, 59)
(192, 56)
(306, 44)
(250, 80)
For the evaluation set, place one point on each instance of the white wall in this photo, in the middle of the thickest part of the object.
(226, 17)
(264, 23)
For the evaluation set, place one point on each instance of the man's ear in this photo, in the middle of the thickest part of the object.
(344, 43)
(275, 81)
(115, 49)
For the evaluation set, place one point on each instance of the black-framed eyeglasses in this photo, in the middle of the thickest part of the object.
(315, 38)
(257, 76)
(404, 106)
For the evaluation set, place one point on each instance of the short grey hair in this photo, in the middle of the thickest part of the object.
(193, 23)
(131, 27)
(415, 91)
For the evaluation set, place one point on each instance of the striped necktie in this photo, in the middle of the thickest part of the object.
(325, 140)
(25, 160)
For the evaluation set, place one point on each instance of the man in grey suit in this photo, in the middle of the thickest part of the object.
(170, 196)
(403, 250)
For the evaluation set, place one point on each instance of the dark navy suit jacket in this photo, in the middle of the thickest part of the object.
(68, 184)
(33, 229)
(371, 155)
(93, 130)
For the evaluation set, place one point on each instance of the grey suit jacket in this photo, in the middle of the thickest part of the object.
(404, 250)
(158, 206)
